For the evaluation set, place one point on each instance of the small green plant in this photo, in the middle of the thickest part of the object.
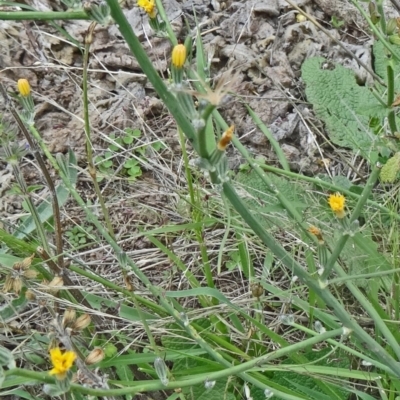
(79, 235)
(109, 162)
(336, 23)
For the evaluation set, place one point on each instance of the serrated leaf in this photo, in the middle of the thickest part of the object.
(391, 169)
(343, 105)
(296, 381)
(381, 59)
(218, 392)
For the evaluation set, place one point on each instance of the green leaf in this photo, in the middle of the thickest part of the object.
(132, 162)
(305, 385)
(342, 104)
(125, 374)
(134, 133)
(12, 309)
(127, 139)
(381, 59)
(135, 172)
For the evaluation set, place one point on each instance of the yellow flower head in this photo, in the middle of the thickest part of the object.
(149, 6)
(178, 56)
(336, 203)
(62, 362)
(23, 87)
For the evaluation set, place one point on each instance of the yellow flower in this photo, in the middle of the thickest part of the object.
(149, 6)
(23, 87)
(62, 362)
(178, 56)
(336, 203)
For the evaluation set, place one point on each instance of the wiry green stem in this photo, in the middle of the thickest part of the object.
(355, 214)
(89, 150)
(43, 16)
(297, 269)
(188, 382)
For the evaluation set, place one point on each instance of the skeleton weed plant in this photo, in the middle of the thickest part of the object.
(206, 359)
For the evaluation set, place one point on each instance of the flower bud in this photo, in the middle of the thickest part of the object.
(179, 56)
(29, 295)
(30, 274)
(23, 87)
(257, 290)
(161, 370)
(17, 285)
(391, 26)
(226, 138)
(69, 317)
(82, 322)
(55, 285)
(317, 232)
(26, 262)
(95, 356)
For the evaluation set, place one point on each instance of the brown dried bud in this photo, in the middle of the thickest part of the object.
(26, 262)
(257, 290)
(30, 296)
(128, 283)
(94, 356)
(30, 274)
(54, 286)
(17, 266)
(8, 284)
(69, 317)
(17, 284)
(82, 322)
(226, 138)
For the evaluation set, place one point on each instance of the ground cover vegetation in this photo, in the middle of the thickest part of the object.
(149, 268)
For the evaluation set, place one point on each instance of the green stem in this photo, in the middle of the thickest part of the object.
(89, 147)
(136, 48)
(273, 189)
(196, 212)
(379, 6)
(390, 98)
(274, 143)
(128, 295)
(356, 213)
(43, 16)
(375, 30)
(298, 270)
(168, 26)
(198, 379)
(54, 201)
(26, 195)
(317, 182)
(202, 135)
